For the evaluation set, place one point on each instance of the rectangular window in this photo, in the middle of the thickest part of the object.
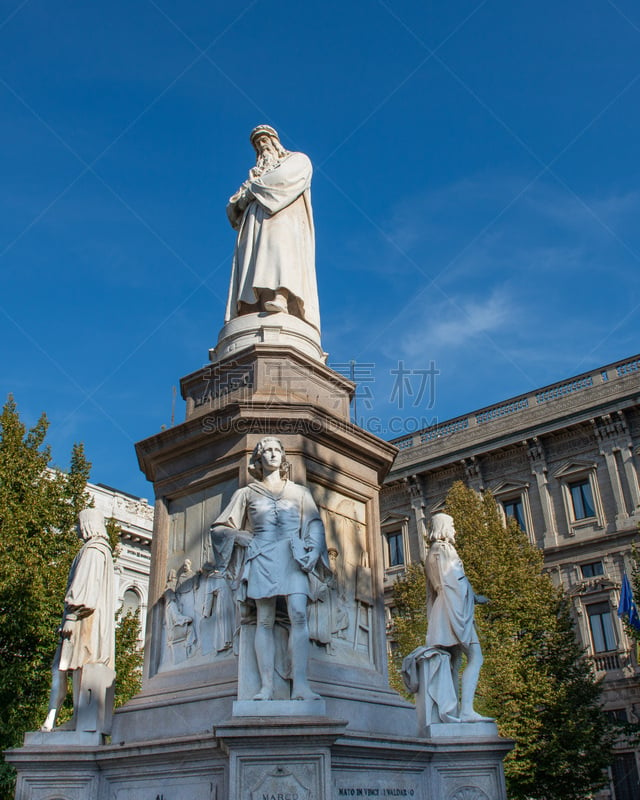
(395, 549)
(624, 771)
(592, 570)
(513, 509)
(601, 624)
(582, 499)
(617, 714)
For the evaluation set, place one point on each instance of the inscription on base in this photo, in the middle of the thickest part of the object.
(385, 786)
(280, 784)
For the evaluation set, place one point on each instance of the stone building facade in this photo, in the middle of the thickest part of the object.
(563, 460)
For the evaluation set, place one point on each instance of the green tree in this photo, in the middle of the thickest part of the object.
(409, 620)
(38, 511)
(535, 680)
(129, 656)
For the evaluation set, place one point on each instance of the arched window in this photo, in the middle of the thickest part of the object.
(130, 601)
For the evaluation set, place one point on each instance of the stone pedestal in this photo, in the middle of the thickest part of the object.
(95, 703)
(193, 730)
(296, 763)
(284, 330)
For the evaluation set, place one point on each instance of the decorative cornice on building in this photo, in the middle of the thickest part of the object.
(535, 452)
(560, 405)
(610, 427)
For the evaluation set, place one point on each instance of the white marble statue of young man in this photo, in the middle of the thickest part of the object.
(278, 524)
(274, 261)
(450, 612)
(87, 633)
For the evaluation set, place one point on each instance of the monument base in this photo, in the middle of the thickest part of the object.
(307, 758)
(462, 730)
(64, 739)
(279, 708)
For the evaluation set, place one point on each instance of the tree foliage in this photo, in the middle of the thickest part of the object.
(409, 619)
(38, 512)
(128, 657)
(535, 680)
(128, 653)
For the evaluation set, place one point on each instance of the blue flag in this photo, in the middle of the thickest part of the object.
(627, 606)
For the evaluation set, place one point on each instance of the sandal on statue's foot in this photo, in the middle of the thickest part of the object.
(275, 306)
(264, 694)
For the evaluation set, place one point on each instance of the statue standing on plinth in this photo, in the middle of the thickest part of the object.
(277, 524)
(451, 633)
(274, 260)
(87, 633)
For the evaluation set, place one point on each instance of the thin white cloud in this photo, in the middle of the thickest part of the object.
(457, 323)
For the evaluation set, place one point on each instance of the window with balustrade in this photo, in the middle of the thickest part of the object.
(603, 636)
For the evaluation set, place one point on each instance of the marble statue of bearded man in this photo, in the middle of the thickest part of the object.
(274, 261)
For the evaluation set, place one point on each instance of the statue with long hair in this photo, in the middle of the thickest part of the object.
(278, 525)
(450, 613)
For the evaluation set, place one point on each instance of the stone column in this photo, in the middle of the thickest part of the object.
(417, 496)
(612, 435)
(631, 475)
(539, 469)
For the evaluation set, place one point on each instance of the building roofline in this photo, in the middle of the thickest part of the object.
(536, 398)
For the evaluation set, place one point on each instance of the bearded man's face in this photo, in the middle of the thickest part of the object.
(264, 145)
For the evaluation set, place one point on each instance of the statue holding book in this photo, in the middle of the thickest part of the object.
(276, 524)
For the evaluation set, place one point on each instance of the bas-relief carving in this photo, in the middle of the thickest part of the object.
(280, 783)
(350, 599)
(289, 778)
(199, 605)
(199, 616)
(136, 507)
(468, 793)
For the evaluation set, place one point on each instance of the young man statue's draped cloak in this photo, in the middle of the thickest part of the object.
(450, 598)
(90, 602)
(276, 243)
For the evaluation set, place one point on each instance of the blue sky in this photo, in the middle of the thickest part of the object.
(476, 196)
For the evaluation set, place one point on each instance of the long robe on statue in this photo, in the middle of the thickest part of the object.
(90, 602)
(450, 598)
(275, 247)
